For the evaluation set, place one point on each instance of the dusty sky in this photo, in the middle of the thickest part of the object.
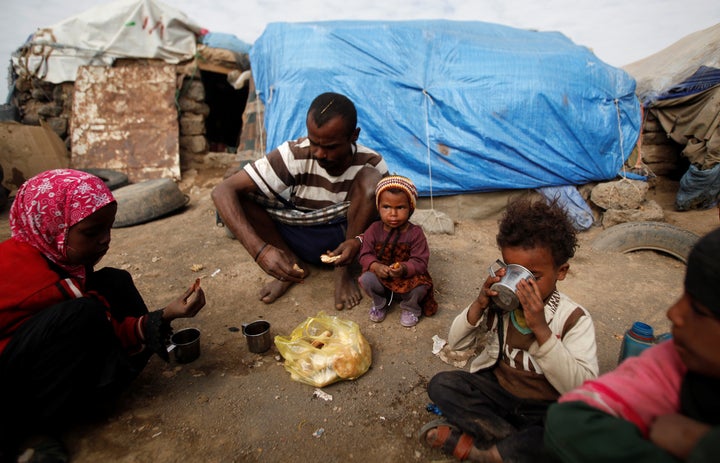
(618, 31)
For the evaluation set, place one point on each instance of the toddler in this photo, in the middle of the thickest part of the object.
(394, 255)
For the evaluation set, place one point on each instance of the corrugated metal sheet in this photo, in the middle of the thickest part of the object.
(125, 119)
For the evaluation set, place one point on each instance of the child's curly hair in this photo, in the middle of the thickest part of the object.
(528, 224)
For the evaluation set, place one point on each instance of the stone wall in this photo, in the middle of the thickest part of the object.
(192, 114)
(659, 153)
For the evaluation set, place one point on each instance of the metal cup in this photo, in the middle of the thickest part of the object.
(507, 286)
(257, 334)
(186, 344)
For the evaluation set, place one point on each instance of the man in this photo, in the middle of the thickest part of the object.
(306, 197)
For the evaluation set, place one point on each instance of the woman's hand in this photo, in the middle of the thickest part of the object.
(187, 305)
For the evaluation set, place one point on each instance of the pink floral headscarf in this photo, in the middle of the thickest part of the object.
(47, 205)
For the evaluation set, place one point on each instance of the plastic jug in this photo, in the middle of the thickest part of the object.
(639, 337)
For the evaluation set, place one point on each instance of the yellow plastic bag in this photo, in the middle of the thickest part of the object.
(325, 349)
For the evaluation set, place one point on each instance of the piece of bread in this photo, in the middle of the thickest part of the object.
(326, 259)
(346, 365)
(320, 341)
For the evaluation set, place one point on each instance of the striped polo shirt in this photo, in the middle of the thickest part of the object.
(291, 172)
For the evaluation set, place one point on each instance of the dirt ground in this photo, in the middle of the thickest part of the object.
(232, 405)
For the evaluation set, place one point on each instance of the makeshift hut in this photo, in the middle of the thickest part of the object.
(679, 88)
(135, 86)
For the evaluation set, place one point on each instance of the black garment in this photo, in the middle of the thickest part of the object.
(477, 404)
(698, 398)
(66, 363)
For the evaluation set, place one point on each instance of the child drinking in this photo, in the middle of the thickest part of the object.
(530, 355)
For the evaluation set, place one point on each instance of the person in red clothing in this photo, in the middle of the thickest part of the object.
(71, 338)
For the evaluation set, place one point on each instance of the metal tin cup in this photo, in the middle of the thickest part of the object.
(507, 286)
(186, 344)
(257, 334)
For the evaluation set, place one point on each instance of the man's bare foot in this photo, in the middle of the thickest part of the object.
(347, 291)
(273, 290)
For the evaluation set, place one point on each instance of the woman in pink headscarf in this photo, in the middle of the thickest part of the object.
(71, 338)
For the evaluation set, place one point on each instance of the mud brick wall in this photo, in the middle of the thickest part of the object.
(39, 102)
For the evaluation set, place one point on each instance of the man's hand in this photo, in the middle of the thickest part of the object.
(348, 250)
(276, 263)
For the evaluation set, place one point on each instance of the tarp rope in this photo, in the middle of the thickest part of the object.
(620, 132)
(622, 150)
(428, 100)
(260, 124)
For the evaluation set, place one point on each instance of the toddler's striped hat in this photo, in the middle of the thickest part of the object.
(401, 183)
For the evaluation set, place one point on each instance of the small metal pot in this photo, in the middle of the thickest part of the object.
(186, 344)
(257, 335)
(506, 288)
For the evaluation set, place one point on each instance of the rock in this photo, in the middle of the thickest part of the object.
(194, 90)
(191, 106)
(620, 194)
(194, 143)
(433, 221)
(649, 211)
(192, 124)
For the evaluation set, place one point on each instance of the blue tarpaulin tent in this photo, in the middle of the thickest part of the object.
(459, 107)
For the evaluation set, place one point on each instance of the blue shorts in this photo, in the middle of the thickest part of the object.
(309, 242)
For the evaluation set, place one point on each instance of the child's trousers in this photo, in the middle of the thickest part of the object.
(409, 301)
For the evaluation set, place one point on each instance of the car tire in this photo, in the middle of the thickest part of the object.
(149, 200)
(656, 236)
(112, 178)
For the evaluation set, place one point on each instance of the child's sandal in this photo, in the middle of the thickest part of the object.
(449, 438)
